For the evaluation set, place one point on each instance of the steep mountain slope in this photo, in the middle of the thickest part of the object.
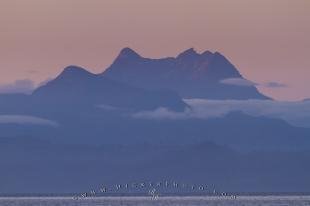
(76, 87)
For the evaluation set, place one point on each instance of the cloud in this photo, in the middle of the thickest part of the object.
(248, 83)
(26, 120)
(274, 85)
(238, 82)
(163, 113)
(19, 86)
(295, 113)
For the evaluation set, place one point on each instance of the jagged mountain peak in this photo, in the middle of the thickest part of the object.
(189, 53)
(191, 74)
(128, 53)
(207, 53)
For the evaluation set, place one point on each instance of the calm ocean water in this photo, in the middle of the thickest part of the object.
(161, 201)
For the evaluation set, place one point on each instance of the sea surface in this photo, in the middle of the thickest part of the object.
(160, 201)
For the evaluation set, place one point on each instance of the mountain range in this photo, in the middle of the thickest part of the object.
(34, 166)
(82, 124)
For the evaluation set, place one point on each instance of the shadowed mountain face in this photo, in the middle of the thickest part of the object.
(190, 74)
(79, 87)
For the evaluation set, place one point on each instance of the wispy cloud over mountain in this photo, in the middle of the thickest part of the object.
(164, 113)
(248, 83)
(274, 85)
(26, 120)
(296, 113)
(238, 82)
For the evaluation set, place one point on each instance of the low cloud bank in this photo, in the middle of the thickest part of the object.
(164, 113)
(295, 113)
(26, 120)
(25, 86)
(238, 82)
(248, 83)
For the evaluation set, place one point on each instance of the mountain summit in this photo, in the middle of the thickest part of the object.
(191, 74)
(128, 53)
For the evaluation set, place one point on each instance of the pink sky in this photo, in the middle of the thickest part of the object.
(268, 40)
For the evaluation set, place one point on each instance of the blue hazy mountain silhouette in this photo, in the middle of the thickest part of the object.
(77, 86)
(35, 166)
(97, 132)
(93, 109)
(191, 74)
(97, 126)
